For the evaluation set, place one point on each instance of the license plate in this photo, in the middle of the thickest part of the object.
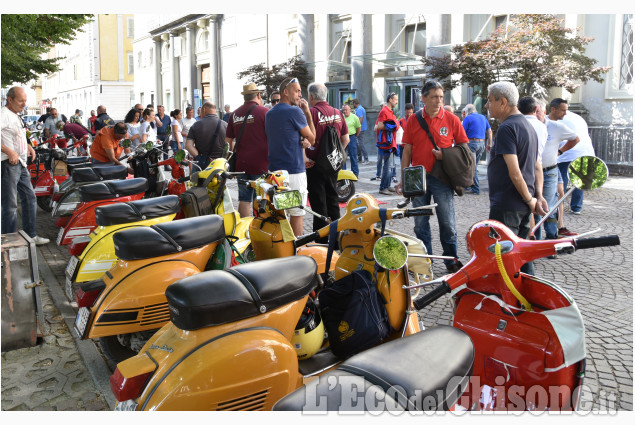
(71, 266)
(59, 237)
(127, 405)
(81, 320)
(70, 291)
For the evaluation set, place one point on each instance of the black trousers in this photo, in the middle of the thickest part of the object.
(322, 196)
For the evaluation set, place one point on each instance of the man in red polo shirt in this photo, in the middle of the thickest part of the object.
(322, 193)
(252, 148)
(446, 129)
(105, 147)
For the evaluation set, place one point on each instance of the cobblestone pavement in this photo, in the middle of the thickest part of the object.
(53, 376)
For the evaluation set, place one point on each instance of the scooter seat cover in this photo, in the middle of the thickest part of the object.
(97, 174)
(140, 243)
(215, 297)
(425, 371)
(133, 211)
(72, 167)
(77, 160)
(112, 189)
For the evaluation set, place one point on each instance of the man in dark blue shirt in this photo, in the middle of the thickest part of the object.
(163, 124)
(514, 173)
(289, 127)
(477, 129)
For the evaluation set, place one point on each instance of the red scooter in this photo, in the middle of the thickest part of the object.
(91, 196)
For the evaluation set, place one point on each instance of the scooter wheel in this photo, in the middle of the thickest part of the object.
(345, 190)
(44, 202)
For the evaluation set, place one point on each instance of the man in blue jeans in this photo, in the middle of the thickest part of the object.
(445, 129)
(362, 155)
(354, 126)
(15, 176)
(383, 155)
(477, 128)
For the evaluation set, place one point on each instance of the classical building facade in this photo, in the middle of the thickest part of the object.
(96, 69)
(181, 60)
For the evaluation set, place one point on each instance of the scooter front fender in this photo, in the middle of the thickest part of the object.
(44, 185)
(346, 175)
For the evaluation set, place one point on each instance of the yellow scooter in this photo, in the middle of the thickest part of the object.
(228, 345)
(345, 185)
(99, 254)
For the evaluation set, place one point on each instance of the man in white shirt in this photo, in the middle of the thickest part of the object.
(583, 148)
(15, 176)
(532, 110)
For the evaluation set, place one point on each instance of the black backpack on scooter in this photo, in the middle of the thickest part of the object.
(195, 201)
(354, 314)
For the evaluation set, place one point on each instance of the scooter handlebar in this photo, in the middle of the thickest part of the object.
(432, 296)
(412, 212)
(601, 241)
(183, 179)
(305, 239)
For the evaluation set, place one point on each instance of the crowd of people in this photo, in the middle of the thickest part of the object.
(526, 170)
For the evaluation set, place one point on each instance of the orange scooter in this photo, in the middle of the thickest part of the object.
(229, 343)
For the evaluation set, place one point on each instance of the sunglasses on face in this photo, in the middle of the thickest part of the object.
(274, 101)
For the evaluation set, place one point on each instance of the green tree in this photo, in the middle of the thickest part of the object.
(25, 38)
(535, 53)
(271, 78)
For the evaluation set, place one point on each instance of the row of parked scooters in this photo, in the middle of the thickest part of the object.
(219, 312)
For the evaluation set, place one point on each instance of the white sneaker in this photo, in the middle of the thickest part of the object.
(39, 240)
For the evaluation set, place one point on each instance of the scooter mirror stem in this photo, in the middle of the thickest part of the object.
(309, 210)
(436, 257)
(551, 211)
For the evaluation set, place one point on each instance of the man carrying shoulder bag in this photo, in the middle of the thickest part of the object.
(447, 131)
(206, 138)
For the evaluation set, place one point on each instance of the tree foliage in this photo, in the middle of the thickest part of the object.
(271, 78)
(535, 53)
(25, 38)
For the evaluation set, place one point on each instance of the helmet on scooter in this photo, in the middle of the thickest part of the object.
(309, 332)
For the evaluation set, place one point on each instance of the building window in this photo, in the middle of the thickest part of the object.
(626, 69)
(139, 60)
(203, 40)
(130, 27)
(130, 63)
(151, 57)
(416, 34)
(500, 21)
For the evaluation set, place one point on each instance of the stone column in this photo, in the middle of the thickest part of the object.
(214, 63)
(190, 51)
(306, 37)
(176, 83)
(321, 48)
(158, 94)
(361, 68)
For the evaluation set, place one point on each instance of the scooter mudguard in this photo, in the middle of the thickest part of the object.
(99, 255)
(346, 175)
(133, 299)
(242, 229)
(244, 365)
(83, 221)
(44, 185)
(520, 362)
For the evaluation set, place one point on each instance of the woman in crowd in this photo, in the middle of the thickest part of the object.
(148, 128)
(132, 120)
(176, 136)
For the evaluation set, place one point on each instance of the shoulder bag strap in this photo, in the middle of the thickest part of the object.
(424, 125)
(242, 127)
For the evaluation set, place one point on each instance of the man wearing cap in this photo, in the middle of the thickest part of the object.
(247, 138)
(289, 127)
(105, 147)
(206, 138)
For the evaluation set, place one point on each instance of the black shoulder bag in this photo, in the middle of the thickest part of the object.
(232, 160)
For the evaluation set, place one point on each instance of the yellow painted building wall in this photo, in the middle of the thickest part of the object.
(127, 47)
(108, 55)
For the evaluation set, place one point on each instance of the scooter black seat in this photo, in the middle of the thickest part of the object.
(72, 167)
(112, 189)
(72, 160)
(140, 243)
(130, 212)
(221, 296)
(426, 371)
(96, 174)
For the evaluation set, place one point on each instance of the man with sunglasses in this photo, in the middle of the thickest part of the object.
(289, 127)
(15, 176)
(275, 98)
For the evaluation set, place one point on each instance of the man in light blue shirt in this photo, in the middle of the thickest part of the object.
(362, 155)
